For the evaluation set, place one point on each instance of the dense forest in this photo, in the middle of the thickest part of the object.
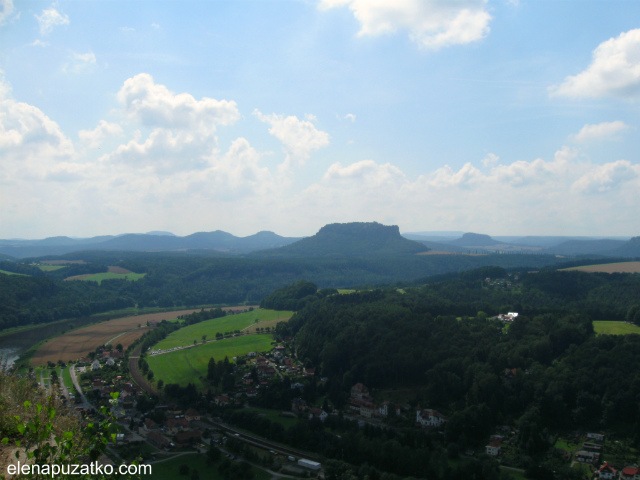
(440, 340)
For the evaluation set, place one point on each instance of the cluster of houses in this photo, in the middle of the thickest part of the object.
(179, 429)
(607, 472)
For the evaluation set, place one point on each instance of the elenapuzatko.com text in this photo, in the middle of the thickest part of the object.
(93, 469)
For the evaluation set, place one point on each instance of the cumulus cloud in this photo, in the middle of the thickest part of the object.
(51, 18)
(156, 106)
(432, 24)
(299, 137)
(104, 130)
(599, 131)
(614, 71)
(607, 177)
(31, 144)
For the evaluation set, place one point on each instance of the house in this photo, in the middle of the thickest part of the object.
(191, 414)
(587, 457)
(598, 437)
(429, 417)
(187, 438)
(299, 405)
(359, 391)
(176, 425)
(630, 473)
(221, 400)
(318, 413)
(150, 424)
(252, 392)
(110, 362)
(96, 365)
(494, 448)
(157, 439)
(607, 472)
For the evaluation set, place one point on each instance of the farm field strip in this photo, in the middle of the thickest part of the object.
(78, 343)
(614, 328)
(229, 323)
(189, 365)
(619, 267)
(99, 277)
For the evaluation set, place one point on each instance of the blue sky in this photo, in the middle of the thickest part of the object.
(502, 117)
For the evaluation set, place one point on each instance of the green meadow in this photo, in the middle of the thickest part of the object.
(614, 328)
(229, 323)
(11, 273)
(50, 268)
(190, 365)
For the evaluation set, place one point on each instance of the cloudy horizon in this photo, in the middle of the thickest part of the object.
(502, 117)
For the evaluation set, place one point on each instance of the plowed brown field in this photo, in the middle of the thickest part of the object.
(78, 343)
(621, 267)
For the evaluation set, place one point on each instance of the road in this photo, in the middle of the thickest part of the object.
(85, 403)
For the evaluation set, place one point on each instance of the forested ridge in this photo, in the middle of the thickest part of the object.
(183, 280)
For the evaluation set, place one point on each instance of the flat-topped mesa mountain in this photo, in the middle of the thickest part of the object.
(475, 240)
(350, 239)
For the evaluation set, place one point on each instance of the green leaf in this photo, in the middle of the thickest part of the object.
(115, 395)
(5, 440)
(27, 404)
(21, 428)
(38, 407)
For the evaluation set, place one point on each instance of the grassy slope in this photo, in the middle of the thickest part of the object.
(188, 365)
(614, 328)
(230, 323)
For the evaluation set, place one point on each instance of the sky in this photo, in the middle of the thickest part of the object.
(504, 117)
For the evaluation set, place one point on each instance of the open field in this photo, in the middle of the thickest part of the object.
(113, 269)
(230, 323)
(99, 277)
(78, 343)
(190, 364)
(620, 267)
(50, 268)
(439, 252)
(11, 273)
(614, 328)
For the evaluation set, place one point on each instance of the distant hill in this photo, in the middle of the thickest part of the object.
(475, 240)
(628, 249)
(585, 247)
(351, 239)
(140, 242)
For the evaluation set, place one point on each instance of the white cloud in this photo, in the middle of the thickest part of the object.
(38, 43)
(614, 71)
(155, 25)
(183, 128)
(607, 177)
(350, 116)
(490, 160)
(104, 130)
(600, 130)
(6, 9)
(51, 18)
(31, 144)
(299, 137)
(80, 63)
(432, 24)
(154, 105)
